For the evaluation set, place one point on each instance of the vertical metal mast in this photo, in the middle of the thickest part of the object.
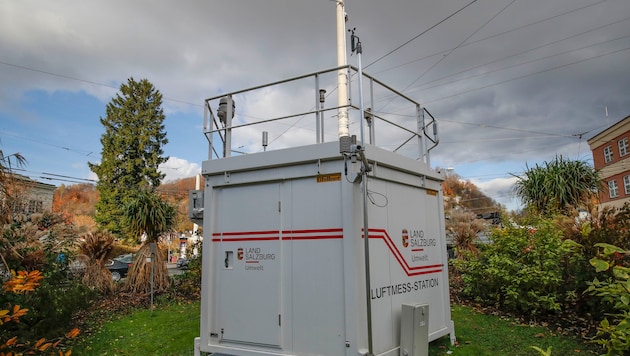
(342, 74)
(356, 47)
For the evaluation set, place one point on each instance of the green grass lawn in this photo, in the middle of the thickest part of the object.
(171, 328)
(480, 334)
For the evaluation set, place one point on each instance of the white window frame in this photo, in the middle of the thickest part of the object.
(608, 154)
(613, 189)
(626, 184)
(623, 146)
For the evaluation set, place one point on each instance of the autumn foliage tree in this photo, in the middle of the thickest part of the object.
(463, 203)
(176, 194)
(77, 201)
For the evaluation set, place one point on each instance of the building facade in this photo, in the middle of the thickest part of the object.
(611, 157)
(35, 197)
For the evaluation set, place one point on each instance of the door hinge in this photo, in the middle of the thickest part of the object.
(279, 320)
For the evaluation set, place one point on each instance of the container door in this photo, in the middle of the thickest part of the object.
(248, 267)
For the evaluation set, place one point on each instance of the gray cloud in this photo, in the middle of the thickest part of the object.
(514, 92)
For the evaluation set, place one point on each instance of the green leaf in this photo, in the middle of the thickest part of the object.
(621, 272)
(609, 249)
(600, 265)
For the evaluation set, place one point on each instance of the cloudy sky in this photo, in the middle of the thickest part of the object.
(512, 83)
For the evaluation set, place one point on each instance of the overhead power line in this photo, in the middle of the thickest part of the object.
(69, 149)
(459, 45)
(53, 176)
(492, 36)
(420, 34)
(425, 87)
(526, 75)
(85, 81)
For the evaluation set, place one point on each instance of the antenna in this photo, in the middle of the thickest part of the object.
(265, 140)
(606, 110)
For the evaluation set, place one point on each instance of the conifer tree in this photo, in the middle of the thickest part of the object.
(131, 153)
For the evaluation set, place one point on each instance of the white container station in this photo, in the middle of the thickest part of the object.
(287, 269)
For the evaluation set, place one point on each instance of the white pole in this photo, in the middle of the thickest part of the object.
(342, 74)
(197, 187)
(364, 188)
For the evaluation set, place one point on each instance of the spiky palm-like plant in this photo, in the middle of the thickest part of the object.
(147, 213)
(558, 186)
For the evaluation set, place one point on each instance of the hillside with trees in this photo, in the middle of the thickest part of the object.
(78, 202)
(462, 193)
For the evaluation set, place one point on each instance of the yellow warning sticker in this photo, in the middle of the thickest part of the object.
(325, 178)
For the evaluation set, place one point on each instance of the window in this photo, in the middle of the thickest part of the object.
(623, 147)
(608, 154)
(612, 189)
(34, 206)
(626, 184)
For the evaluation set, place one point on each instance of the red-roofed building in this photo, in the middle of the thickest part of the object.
(611, 157)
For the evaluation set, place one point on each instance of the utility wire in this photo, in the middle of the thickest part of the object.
(526, 75)
(519, 64)
(84, 80)
(459, 45)
(420, 34)
(69, 149)
(423, 86)
(58, 177)
(495, 35)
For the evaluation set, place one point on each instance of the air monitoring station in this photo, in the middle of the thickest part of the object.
(323, 220)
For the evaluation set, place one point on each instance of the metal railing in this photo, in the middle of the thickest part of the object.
(296, 111)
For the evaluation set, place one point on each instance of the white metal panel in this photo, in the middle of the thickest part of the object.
(313, 229)
(408, 265)
(247, 228)
(414, 336)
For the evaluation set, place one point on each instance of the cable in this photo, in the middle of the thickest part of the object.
(84, 81)
(459, 45)
(526, 75)
(62, 178)
(513, 65)
(75, 150)
(420, 34)
(508, 128)
(521, 53)
(498, 34)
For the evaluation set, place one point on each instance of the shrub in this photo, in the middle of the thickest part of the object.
(609, 226)
(24, 283)
(614, 290)
(43, 242)
(521, 271)
(188, 285)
